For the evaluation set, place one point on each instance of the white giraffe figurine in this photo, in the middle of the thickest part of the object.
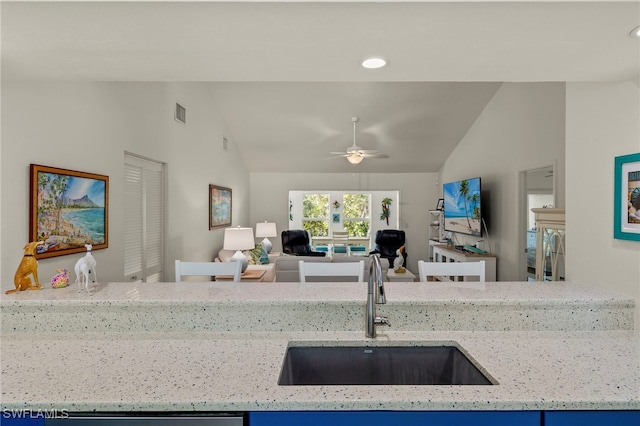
(84, 265)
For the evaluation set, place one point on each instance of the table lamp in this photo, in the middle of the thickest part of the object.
(239, 239)
(266, 229)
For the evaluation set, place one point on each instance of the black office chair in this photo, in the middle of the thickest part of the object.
(388, 241)
(297, 242)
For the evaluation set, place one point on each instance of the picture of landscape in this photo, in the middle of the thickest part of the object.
(68, 210)
(462, 207)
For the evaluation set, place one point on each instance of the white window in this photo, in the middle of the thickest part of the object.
(356, 216)
(315, 214)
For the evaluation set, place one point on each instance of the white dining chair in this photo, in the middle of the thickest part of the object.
(449, 271)
(209, 269)
(330, 269)
(341, 243)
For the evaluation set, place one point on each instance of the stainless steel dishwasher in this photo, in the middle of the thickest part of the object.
(154, 419)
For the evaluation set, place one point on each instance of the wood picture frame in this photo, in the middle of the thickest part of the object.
(440, 205)
(220, 206)
(67, 209)
(626, 194)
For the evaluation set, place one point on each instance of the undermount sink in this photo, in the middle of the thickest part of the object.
(379, 365)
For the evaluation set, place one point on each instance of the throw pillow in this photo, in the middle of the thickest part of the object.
(253, 255)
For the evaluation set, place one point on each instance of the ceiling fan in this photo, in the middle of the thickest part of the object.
(355, 154)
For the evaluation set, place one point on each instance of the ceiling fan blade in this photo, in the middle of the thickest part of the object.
(354, 148)
(356, 154)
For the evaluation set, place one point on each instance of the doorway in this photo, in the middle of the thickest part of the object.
(537, 190)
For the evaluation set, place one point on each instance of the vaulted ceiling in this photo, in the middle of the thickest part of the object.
(287, 75)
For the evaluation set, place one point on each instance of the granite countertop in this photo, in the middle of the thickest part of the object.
(408, 292)
(187, 367)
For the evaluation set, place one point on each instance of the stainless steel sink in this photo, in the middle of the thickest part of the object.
(379, 365)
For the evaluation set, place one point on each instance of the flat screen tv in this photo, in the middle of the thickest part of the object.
(462, 207)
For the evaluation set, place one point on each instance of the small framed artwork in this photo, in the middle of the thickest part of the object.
(219, 207)
(626, 216)
(67, 209)
(440, 205)
(336, 218)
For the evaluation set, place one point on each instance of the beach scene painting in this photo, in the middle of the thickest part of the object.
(68, 210)
(462, 207)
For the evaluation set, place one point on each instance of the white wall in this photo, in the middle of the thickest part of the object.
(88, 127)
(418, 195)
(522, 128)
(603, 121)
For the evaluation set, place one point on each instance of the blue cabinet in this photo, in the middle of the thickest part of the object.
(394, 418)
(591, 418)
(444, 418)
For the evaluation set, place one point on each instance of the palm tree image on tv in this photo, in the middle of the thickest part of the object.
(462, 207)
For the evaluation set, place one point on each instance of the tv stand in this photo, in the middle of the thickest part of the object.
(444, 253)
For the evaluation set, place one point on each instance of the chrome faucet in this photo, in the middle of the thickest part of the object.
(375, 295)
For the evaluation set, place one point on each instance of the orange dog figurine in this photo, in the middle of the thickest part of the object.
(28, 266)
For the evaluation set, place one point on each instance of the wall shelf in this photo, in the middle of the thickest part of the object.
(436, 230)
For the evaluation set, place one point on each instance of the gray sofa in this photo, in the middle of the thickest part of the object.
(287, 267)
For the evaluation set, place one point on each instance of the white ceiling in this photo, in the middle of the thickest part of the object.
(287, 74)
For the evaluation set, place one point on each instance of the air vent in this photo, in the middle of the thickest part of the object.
(181, 114)
(225, 143)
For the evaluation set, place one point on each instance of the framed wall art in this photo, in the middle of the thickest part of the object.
(626, 216)
(219, 207)
(67, 209)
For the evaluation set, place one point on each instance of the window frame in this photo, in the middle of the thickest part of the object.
(326, 220)
(366, 219)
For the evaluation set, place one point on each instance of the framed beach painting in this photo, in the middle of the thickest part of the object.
(219, 207)
(626, 216)
(67, 209)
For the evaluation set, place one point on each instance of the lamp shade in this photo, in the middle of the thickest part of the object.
(266, 229)
(238, 239)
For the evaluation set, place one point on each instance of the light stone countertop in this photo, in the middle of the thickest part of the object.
(410, 292)
(183, 367)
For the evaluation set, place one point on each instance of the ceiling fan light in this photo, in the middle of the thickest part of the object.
(354, 158)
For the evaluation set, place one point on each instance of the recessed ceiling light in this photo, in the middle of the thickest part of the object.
(635, 32)
(373, 63)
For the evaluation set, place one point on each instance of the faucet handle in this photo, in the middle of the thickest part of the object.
(382, 321)
(382, 298)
